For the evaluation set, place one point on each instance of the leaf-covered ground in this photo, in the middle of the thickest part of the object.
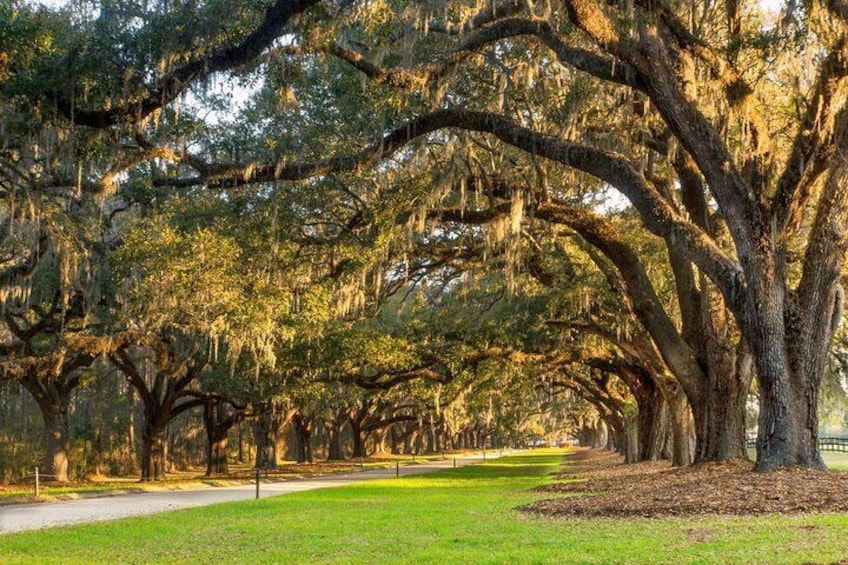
(598, 484)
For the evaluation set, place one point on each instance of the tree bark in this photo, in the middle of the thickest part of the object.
(52, 397)
(651, 421)
(303, 432)
(153, 451)
(262, 428)
(680, 429)
(720, 417)
(631, 439)
(57, 444)
(216, 455)
(789, 387)
(218, 423)
(358, 439)
(600, 436)
(334, 435)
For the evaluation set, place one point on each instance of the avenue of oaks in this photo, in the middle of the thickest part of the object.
(418, 226)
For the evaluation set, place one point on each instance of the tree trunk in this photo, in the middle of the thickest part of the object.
(418, 444)
(611, 443)
(394, 440)
(218, 425)
(586, 436)
(432, 446)
(409, 442)
(303, 433)
(153, 452)
(788, 422)
(717, 386)
(131, 409)
(334, 451)
(791, 333)
(240, 442)
(53, 403)
(216, 455)
(651, 423)
(358, 439)
(601, 437)
(680, 429)
(631, 439)
(266, 452)
(57, 444)
(720, 413)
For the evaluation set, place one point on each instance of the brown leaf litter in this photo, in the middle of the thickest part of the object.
(598, 484)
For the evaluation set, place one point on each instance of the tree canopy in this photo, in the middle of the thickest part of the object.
(442, 218)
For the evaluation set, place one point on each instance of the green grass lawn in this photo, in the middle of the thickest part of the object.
(465, 515)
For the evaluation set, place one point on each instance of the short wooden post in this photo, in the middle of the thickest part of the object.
(37, 485)
(454, 462)
(258, 471)
(397, 468)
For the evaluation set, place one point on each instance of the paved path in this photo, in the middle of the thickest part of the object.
(46, 515)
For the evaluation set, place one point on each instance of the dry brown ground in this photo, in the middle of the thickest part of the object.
(597, 483)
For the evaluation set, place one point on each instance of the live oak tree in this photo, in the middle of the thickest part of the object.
(750, 202)
(697, 75)
(56, 322)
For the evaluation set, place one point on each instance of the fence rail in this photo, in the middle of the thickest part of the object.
(36, 479)
(836, 444)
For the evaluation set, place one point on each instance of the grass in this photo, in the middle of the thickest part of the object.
(465, 515)
(835, 460)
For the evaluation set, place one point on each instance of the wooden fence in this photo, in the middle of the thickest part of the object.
(837, 444)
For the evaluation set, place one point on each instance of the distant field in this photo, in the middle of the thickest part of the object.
(465, 515)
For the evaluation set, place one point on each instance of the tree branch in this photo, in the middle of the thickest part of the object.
(277, 16)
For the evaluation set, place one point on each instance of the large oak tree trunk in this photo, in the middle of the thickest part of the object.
(680, 429)
(335, 451)
(394, 440)
(216, 455)
(52, 402)
(789, 377)
(266, 448)
(218, 424)
(358, 439)
(720, 412)
(303, 434)
(600, 436)
(652, 431)
(153, 451)
(57, 444)
(651, 423)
